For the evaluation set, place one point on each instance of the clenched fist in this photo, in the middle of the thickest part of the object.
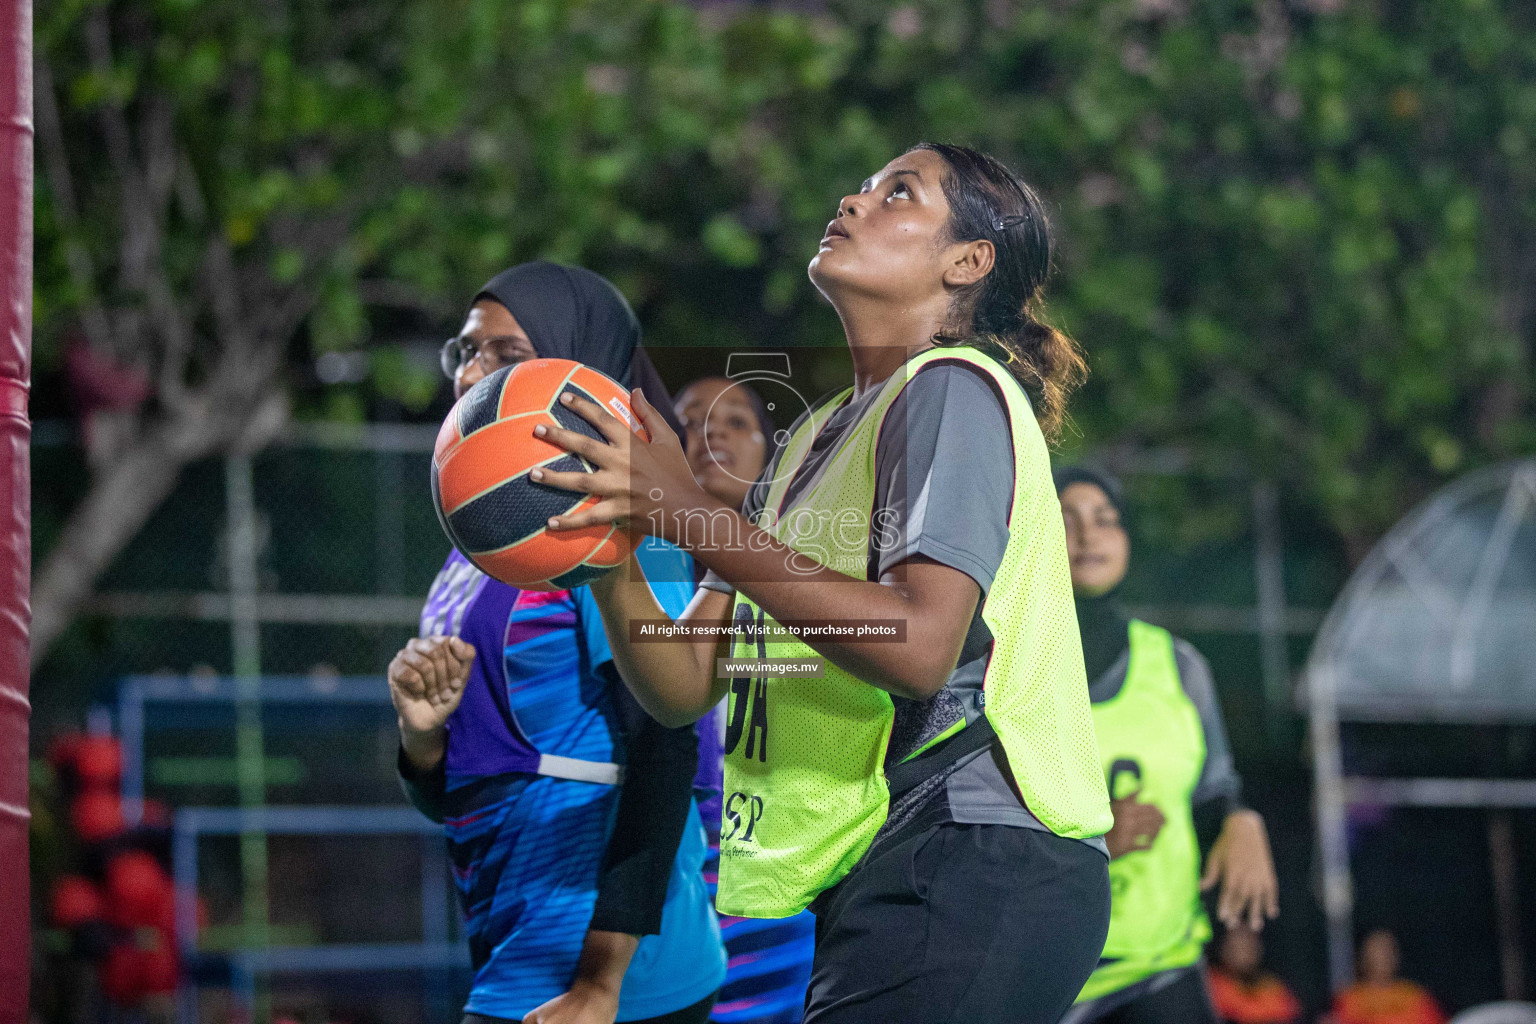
(1136, 825)
(426, 683)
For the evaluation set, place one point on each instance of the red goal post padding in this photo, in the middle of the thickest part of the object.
(15, 497)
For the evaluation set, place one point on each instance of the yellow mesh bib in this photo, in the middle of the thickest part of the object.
(805, 791)
(1152, 744)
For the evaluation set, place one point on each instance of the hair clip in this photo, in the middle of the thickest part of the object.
(1003, 223)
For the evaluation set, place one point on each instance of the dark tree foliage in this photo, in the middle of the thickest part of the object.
(1297, 238)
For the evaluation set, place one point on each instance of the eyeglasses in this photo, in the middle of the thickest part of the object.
(492, 355)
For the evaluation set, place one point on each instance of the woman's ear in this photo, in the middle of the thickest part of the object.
(969, 262)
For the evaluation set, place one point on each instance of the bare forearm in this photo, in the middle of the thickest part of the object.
(605, 957)
(789, 585)
(673, 680)
(425, 749)
(650, 482)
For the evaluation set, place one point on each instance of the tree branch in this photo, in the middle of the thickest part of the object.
(160, 156)
(137, 249)
(234, 411)
(223, 286)
(61, 188)
(143, 200)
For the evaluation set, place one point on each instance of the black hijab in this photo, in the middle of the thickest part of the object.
(1104, 623)
(572, 313)
(1066, 476)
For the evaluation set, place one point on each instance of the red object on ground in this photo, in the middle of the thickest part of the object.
(159, 970)
(1265, 1000)
(74, 901)
(142, 964)
(98, 761)
(138, 892)
(120, 975)
(15, 498)
(165, 915)
(96, 815)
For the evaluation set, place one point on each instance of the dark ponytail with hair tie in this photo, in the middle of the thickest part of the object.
(1003, 312)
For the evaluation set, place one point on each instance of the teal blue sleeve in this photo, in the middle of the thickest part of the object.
(656, 800)
(589, 630)
(668, 569)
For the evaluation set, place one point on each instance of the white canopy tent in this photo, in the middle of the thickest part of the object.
(1438, 625)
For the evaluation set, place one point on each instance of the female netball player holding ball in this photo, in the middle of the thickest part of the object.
(583, 896)
(935, 795)
(1165, 753)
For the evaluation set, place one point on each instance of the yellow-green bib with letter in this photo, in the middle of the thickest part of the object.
(805, 789)
(1151, 743)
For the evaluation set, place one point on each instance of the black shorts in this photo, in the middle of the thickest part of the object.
(970, 924)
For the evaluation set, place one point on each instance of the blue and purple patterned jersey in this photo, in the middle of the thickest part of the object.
(483, 734)
(527, 850)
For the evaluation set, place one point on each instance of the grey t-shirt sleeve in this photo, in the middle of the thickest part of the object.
(1218, 779)
(943, 476)
(944, 473)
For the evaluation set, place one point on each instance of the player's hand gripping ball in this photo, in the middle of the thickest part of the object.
(494, 514)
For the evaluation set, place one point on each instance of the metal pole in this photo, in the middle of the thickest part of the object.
(130, 729)
(434, 922)
(389, 529)
(1506, 903)
(184, 871)
(1269, 575)
(15, 501)
(1332, 838)
(245, 637)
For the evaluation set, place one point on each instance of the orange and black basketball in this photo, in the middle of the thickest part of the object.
(489, 507)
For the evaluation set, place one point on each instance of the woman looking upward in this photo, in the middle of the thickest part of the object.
(931, 786)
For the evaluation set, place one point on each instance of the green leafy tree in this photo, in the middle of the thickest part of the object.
(1296, 237)
(205, 171)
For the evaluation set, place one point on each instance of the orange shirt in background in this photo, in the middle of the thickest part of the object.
(1263, 1001)
(1398, 1002)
